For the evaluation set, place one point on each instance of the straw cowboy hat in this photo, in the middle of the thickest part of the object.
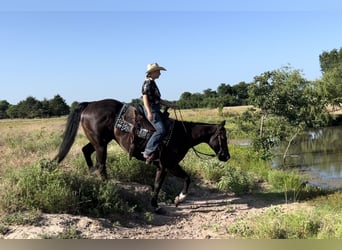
(153, 67)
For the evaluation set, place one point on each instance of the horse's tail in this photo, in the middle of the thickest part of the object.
(71, 129)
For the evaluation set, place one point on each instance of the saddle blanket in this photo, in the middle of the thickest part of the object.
(128, 117)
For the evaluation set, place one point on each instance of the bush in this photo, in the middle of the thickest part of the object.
(213, 170)
(236, 181)
(45, 187)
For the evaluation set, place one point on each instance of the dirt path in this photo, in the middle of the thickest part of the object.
(204, 215)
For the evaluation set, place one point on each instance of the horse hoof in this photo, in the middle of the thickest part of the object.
(179, 199)
(177, 202)
(92, 170)
(160, 211)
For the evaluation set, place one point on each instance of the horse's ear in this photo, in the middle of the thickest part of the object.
(223, 123)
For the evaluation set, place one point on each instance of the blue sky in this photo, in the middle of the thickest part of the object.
(85, 51)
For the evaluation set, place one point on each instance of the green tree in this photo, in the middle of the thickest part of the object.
(224, 89)
(283, 92)
(4, 105)
(73, 105)
(330, 59)
(29, 108)
(330, 86)
(58, 106)
(12, 112)
(286, 94)
(240, 91)
(225, 95)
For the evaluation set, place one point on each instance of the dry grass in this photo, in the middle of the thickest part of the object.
(208, 115)
(19, 137)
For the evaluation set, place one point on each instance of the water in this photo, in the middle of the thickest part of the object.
(318, 154)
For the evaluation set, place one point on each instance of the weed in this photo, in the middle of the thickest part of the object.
(290, 183)
(149, 217)
(69, 233)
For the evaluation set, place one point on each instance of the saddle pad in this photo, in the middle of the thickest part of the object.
(126, 118)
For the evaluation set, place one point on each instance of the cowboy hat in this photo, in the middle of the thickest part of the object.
(154, 67)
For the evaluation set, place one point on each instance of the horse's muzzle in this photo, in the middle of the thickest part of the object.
(223, 156)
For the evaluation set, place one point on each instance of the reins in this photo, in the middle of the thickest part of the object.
(197, 153)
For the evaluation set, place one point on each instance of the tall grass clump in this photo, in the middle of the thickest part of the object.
(46, 187)
(290, 183)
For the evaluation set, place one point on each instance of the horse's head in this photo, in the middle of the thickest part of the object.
(218, 142)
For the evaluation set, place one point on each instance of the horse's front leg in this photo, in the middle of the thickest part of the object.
(179, 172)
(159, 179)
(101, 157)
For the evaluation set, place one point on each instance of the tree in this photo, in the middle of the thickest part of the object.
(330, 86)
(240, 91)
(188, 100)
(285, 95)
(58, 107)
(12, 112)
(330, 60)
(33, 108)
(29, 108)
(135, 102)
(4, 105)
(283, 92)
(224, 89)
(73, 105)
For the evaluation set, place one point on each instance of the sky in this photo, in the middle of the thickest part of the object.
(87, 50)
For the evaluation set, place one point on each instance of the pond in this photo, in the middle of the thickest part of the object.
(318, 154)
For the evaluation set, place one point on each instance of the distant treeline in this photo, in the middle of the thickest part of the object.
(225, 95)
(33, 108)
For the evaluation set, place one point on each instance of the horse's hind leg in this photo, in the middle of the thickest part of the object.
(88, 150)
(179, 172)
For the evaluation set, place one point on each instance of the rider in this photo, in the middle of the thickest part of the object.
(152, 105)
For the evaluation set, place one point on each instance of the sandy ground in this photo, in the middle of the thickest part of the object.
(204, 215)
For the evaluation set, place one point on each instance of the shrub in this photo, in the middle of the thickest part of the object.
(45, 187)
(236, 181)
(213, 170)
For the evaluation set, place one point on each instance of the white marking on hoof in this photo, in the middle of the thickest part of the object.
(180, 198)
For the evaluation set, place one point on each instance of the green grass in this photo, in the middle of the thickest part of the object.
(46, 187)
(320, 219)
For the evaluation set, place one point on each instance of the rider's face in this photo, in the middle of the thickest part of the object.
(155, 74)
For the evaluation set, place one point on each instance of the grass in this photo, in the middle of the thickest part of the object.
(31, 183)
(321, 218)
(52, 190)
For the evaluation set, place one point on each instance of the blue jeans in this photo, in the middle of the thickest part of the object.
(157, 136)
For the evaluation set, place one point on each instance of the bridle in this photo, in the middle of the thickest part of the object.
(198, 153)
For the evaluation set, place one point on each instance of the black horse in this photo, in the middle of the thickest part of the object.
(99, 120)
